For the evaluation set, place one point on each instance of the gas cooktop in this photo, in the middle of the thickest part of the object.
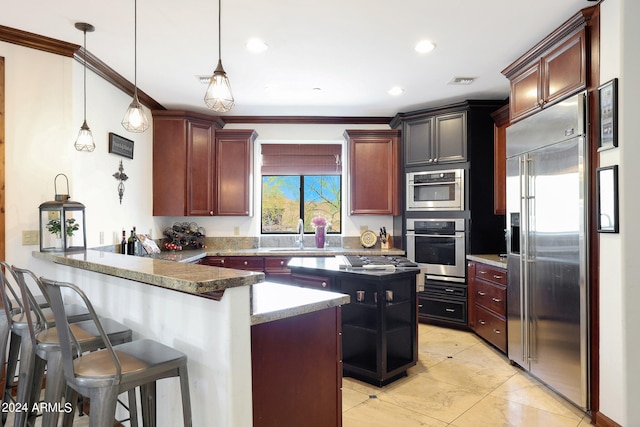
(379, 260)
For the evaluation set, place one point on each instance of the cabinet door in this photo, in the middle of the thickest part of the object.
(375, 176)
(169, 167)
(418, 141)
(471, 309)
(501, 118)
(451, 138)
(564, 68)
(526, 92)
(234, 171)
(200, 168)
(308, 281)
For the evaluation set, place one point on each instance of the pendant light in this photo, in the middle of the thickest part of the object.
(84, 141)
(135, 120)
(218, 96)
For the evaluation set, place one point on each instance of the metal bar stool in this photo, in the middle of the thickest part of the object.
(103, 374)
(46, 343)
(17, 323)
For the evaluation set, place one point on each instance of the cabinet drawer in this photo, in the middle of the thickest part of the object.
(308, 281)
(443, 309)
(215, 261)
(491, 327)
(245, 263)
(491, 274)
(445, 289)
(276, 264)
(491, 296)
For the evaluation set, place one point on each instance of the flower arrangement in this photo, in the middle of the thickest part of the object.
(319, 222)
(53, 226)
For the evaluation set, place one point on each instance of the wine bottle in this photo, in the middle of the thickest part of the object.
(123, 244)
(131, 244)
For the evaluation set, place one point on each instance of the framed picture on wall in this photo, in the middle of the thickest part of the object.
(607, 202)
(608, 115)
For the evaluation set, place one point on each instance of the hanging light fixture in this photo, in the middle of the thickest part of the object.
(135, 120)
(84, 141)
(218, 96)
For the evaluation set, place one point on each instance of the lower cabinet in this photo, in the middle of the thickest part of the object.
(290, 359)
(379, 325)
(488, 303)
(443, 303)
(274, 268)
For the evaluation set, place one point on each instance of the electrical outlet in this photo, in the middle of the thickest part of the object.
(102, 237)
(30, 237)
(236, 231)
(363, 228)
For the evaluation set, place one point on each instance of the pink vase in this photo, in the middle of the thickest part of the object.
(320, 237)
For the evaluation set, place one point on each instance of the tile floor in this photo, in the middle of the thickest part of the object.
(459, 381)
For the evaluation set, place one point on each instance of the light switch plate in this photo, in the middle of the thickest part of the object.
(30, 237)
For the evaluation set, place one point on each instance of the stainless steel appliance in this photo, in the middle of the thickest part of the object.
(435, 190)
(546, 235)
(438, 247)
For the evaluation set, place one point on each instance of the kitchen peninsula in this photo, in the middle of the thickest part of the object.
(379, 326)
(218, 334)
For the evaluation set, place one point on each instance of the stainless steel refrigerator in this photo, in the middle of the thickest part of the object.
(547, 310)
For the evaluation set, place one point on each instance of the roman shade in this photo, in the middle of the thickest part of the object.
(301, 159)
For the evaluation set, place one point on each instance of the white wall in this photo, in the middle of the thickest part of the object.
(44, 111)
(619, 290)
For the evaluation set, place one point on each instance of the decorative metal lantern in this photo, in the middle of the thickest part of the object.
(62, 223)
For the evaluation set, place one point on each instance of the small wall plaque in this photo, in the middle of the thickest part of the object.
(120, 146)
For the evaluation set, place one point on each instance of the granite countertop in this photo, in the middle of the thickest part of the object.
(490, 259)
(273, 301)
(199, 280)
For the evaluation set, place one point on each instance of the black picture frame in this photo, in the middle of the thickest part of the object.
(608, 115)
(607, 199)
(120, 145)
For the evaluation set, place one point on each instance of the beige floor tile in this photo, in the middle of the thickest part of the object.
(483, 353)
(443, 342)
(462, 373)
(495, 412)
(352, 398)
(524, 389)
(378, 413)
(436, 399)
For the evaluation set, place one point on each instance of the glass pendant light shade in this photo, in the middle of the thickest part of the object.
(135, 120)
(84, 141)
(218, 96)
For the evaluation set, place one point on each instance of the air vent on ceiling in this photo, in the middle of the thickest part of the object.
(461, 80)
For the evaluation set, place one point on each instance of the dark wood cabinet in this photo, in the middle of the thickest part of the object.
(488, 303)
(443, 303)
(435, 139)
(296, 371)
(501, 119)
(553, 69)
(312, 281)
(234, 171)
(276, 270)
(198, 168)
(375, 172)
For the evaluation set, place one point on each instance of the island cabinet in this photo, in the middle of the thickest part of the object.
(379, 325)
(488, 303)
(553, 69)
(375, 172)
(200, 169)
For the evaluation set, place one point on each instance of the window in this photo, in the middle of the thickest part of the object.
(300, 181)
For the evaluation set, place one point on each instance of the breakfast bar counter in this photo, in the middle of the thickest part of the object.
(177, 310)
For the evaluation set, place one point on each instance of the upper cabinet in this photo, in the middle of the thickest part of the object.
(553, 69)
(374, 165)
(435, 139)
(198, 168)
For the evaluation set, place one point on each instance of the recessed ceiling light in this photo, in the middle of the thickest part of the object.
(255, 45)
(424, 46)
(396, 90)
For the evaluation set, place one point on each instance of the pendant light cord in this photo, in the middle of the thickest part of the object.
(219, 29)
(85, 75)
(135, 48)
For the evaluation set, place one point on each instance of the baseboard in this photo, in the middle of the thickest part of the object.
(604, 421)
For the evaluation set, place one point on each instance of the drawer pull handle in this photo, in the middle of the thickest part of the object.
(482, 272)
(420, 305)
(497, 276)
(324, 284)
(281, 262)
(496, 299)
(497, 331)
(222, 262)
(246, 263)
(482, 322)
(450, 310)
(481, 293)
(449, 290)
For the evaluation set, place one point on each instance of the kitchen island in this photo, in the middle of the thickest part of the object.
(379, 326)
(170, 302)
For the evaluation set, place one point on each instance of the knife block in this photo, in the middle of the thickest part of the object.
(388, 243)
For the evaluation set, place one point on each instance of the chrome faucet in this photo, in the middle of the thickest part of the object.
(300, 239)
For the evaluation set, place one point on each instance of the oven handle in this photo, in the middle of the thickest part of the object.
(424, 184)
(458, 235)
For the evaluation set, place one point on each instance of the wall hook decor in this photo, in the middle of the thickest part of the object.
(122, 177)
